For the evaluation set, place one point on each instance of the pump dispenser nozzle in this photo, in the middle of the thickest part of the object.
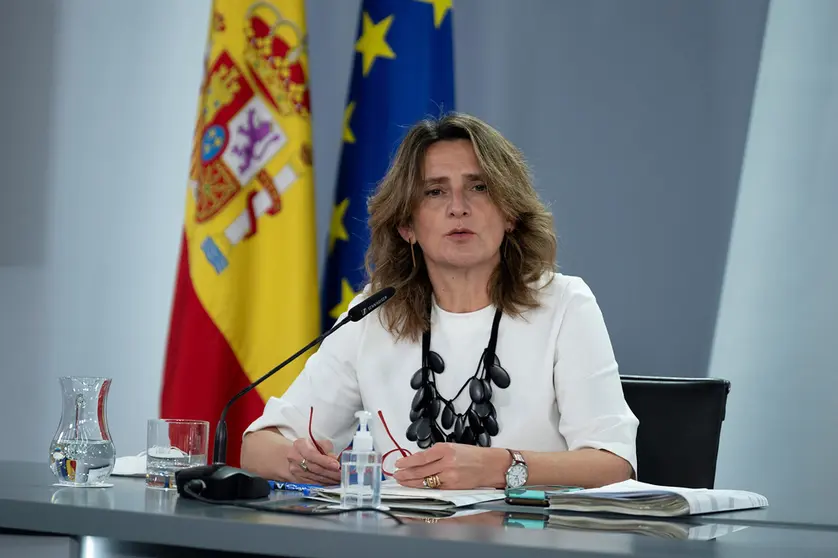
(363, 437)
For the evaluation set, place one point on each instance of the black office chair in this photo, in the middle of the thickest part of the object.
(680, 426)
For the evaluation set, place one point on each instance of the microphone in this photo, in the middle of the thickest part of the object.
(372, 302)
(219, 481)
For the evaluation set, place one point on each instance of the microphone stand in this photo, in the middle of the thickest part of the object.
(221, 482)
(219, 450)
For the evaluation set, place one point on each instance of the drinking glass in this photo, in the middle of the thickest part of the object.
(174, 444)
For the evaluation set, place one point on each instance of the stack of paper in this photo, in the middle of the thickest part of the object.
(398, 497)
(637, 498)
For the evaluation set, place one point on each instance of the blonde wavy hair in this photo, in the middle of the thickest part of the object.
(527, 253)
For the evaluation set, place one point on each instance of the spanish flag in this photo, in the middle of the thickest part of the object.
(246, 294)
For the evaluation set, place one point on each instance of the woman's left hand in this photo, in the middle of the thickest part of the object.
(458, 467)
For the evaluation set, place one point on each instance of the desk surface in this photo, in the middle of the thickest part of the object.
(129, 512)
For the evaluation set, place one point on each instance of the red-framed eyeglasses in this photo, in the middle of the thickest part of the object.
(398, 448)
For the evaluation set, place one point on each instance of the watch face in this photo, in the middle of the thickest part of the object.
(516, 476)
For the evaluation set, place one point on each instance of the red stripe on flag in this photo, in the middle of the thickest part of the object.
(201, 371)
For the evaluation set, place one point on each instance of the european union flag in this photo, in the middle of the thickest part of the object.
(403, 72)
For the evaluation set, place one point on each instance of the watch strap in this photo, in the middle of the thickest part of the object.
(517, 457)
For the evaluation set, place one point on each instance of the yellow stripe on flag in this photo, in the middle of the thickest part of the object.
(250, 218)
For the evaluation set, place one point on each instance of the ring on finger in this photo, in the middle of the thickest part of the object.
(431, 481)
(304, 465)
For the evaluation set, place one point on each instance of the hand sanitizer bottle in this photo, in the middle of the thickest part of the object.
(360, 478)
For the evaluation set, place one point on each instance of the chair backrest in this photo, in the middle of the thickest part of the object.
(680, 426)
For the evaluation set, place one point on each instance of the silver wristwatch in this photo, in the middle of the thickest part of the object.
(516, 475)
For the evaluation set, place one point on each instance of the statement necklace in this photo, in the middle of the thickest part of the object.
(431, 414)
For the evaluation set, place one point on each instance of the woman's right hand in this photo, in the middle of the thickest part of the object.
(319, 468)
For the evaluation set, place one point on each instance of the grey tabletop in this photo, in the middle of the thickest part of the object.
(128, 511)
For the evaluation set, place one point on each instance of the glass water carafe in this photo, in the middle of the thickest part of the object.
(82, 453)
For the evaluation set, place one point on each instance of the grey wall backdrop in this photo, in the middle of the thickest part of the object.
(28, 63)
(98, 106)
(777, 328)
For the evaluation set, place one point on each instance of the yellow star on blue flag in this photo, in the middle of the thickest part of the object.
(403, 71)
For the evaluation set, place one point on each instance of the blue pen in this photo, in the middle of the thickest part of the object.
(306, 489)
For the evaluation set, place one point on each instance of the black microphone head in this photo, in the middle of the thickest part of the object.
(369, 304)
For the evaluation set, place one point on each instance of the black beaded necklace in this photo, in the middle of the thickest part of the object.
(479, 422)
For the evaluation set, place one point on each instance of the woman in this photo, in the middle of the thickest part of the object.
(487, 368)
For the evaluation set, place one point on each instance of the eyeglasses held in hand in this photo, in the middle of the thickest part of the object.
(398, 448)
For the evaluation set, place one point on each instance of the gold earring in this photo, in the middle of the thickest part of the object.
(412, 255)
